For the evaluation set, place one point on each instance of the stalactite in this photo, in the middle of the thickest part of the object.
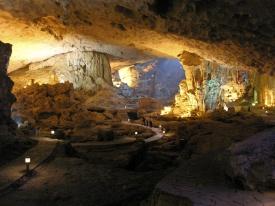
(209, 86)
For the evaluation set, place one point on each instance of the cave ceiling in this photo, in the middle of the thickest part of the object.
(237, 33)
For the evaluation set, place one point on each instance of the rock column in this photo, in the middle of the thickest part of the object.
(87, 70)
(6, 97)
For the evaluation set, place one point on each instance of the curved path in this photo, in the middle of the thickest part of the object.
(158, 132)
(14, 173)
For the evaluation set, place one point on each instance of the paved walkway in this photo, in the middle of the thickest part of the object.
(158, 132)
(11, 172)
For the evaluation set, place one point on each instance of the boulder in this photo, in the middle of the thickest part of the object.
(252, 162)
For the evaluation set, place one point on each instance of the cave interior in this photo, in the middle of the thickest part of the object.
(148, 103)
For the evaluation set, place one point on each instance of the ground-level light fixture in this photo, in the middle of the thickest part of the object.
(136, 133)
(27, 162)
(160, 126)
(266, 111)
(163, 131)
(52, 132)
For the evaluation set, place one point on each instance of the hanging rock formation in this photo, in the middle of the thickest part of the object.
(86, 70)
(6, 97)
(209, 86)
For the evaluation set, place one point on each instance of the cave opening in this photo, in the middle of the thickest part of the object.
(156, 82)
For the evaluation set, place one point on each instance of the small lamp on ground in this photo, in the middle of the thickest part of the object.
(163, 131)
(27, 162)
(52, 132)
(136, 133)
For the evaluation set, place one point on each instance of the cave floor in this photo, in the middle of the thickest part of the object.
(128, 174)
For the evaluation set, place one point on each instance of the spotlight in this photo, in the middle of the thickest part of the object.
(163, 131)
(27, 162)
(136, 133)
(52, 132)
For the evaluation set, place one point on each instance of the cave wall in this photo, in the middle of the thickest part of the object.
(6, 97)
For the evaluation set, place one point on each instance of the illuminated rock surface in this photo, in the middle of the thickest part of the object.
(85, 70)
(60, 105)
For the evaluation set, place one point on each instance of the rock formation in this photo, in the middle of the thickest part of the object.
(209, 86)
(252, 162)
(61, 106)
(6, 97)
(85, 70)
(264, 89)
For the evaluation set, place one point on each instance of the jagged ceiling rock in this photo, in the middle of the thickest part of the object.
(238, 33)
